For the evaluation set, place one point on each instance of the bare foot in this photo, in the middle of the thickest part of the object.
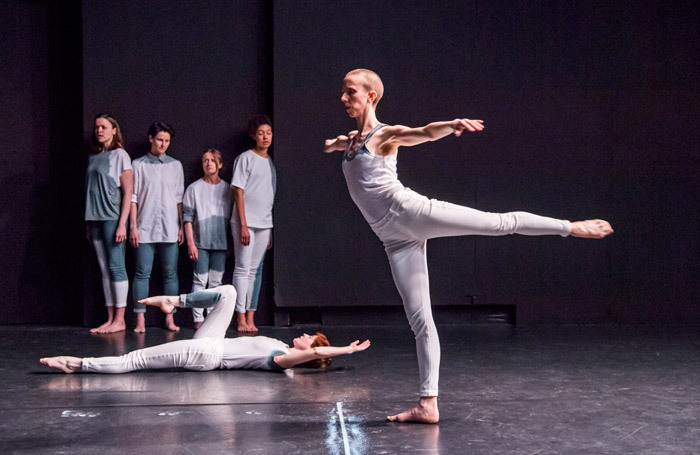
(250, 315)
(166, 303)
(140, 323)
(102, 327)
(591, 229)
(242, 324)
(425, 412)
(170, 323)
(66, 364)
(198, 324)
(116, 326)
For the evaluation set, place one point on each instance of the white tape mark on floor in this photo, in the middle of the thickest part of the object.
(342, 428)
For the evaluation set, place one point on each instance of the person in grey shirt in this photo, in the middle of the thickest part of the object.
(209, 349)
(156, 219)
(109, 185)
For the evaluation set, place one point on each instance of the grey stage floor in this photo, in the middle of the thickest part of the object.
(504, 390)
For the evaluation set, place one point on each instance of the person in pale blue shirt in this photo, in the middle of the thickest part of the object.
(109, 185)
(156, 219)
(206, 212)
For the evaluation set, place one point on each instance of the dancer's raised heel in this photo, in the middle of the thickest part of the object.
(591, 229)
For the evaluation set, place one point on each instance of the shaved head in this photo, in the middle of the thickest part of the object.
(370, 81)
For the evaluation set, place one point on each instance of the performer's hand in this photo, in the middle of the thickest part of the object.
(269, 243)
(88, 233)
(462, 124)
(134, 237)
(193, 252)
(121, 234)
(355, 346)
(180, 236)
(245, 236)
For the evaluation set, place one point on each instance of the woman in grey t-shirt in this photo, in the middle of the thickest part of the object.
(109, 185)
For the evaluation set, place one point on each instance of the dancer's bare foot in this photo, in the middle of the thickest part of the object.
(116, 326)
(250, 322)
(140, 322)
(166, 303)
(102, 327)
(66, 364)
(170, 323)
(425, 412)
(591, 229)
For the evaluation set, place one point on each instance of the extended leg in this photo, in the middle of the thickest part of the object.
(199, 355)
(429, 218)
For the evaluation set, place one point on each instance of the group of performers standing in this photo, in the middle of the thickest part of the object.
(145, 202)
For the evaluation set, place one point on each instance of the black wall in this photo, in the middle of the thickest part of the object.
(590, 111)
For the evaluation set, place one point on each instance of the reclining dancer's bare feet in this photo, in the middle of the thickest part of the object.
(170, 323)
(166, 303)
(64, 363)
(425, 412)
(591, 229)
(102, 327)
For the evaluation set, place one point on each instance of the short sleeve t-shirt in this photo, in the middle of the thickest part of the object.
(208, 208)
(257, 177)
(103, 196)
(252, 353)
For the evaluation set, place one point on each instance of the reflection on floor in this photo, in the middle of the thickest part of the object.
(504, 390)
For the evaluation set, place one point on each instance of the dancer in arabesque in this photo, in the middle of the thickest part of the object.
(404, 220)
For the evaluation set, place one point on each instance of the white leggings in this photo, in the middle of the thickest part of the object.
(202, 353)
(247, 273)
(411, 220)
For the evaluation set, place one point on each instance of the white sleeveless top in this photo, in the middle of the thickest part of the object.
(372, 179)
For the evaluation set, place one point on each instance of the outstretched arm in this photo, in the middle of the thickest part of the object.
(398, 135)
(339, 143)
(296, 356)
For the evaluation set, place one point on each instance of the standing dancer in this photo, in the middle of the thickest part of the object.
(206, 211)
(403, 220)
(110, 183)
(156, 219)
(209, 350)
(254, 183)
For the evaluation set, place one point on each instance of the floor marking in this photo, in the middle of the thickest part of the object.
(342, 427)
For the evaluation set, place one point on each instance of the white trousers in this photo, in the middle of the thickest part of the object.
(202, 353)
(247, 273)
(410, 221)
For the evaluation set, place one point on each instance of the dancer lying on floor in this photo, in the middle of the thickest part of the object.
(404, 220)
(209, 350)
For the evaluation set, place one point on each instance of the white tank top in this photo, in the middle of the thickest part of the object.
(372, 179)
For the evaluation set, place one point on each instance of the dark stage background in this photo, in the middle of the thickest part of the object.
(590, 111)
